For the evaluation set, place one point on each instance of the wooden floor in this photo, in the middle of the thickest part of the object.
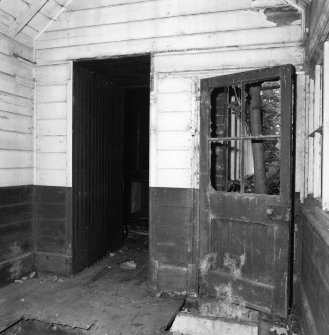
(103, 299)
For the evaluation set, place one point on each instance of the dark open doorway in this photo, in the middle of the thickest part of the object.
(110, 154)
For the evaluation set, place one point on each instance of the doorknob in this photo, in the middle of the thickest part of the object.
(269, 211)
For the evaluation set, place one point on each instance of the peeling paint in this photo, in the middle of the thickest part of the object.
(283, 16)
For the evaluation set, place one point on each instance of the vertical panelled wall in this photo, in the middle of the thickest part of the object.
(188, 41)
(313, 274)
(53, 162)
(16, 160)
(97, 167)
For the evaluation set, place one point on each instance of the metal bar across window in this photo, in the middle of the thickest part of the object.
(260, 137)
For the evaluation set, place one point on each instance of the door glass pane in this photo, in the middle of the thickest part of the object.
(225, 111)
(225, 166)
(263, 108)
(261, 164)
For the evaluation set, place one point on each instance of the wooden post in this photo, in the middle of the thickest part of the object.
(257, 146)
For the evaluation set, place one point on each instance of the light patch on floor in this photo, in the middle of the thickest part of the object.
(187, 324)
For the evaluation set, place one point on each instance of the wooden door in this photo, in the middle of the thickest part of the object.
(246, 187)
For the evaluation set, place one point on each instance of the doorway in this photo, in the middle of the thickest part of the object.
(110, 155)
(246, 155)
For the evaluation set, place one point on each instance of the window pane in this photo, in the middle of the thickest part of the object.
(225, 166)
(225, 111)
(262, 166)
(263, 108)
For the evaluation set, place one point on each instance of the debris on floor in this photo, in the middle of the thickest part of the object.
(128, 265)
(23, 279)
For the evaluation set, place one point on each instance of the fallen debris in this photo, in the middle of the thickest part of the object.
(112, 254)
(32, 274)
(128, 265)
(18, 281)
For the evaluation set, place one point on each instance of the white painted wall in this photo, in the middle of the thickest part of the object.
(188, 40)
(16, 109)
(54, 125)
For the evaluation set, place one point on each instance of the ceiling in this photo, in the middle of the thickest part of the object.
(25, 20)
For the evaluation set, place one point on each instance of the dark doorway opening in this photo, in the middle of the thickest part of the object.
(110, 155)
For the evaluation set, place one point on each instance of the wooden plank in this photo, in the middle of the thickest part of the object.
(10, 46)
(147, 10)
(174, 140)
(14, 67)
(51, 8)
(51, 177)
(167, 84)
(310, 139)
(180, 121)
(8, 84)
(15, 109)
(16, 100)
(51, 110)
(15, 141)
(55, 161)
(317, 140)
(231, 32)
(16, 268)
(16, 122)
(53, 73)
(174, 178)
(51, 93)
(174, 159)
(187, 42)
(53, 263)
(85, 4)
(174, 102)
(300, 134)
(230, 59)
(51, 127)
(14, 8)
(325, 130)
(39, 21)
(16, 177)
(25, 18)
(51, 144)
(16, 159)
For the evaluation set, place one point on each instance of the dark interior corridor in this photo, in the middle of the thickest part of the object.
(110, 155)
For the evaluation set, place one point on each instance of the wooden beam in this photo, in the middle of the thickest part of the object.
(325, 153)
(22, 21)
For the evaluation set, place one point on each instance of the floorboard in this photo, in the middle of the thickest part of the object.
(103, 299)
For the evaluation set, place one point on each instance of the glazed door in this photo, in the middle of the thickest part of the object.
(246, 187)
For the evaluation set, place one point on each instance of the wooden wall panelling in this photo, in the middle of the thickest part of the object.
(53, 114)
(16, 107)
(16, 243)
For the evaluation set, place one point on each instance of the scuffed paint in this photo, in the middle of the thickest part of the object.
(206, 263)
(235, 264)
(227, 303)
